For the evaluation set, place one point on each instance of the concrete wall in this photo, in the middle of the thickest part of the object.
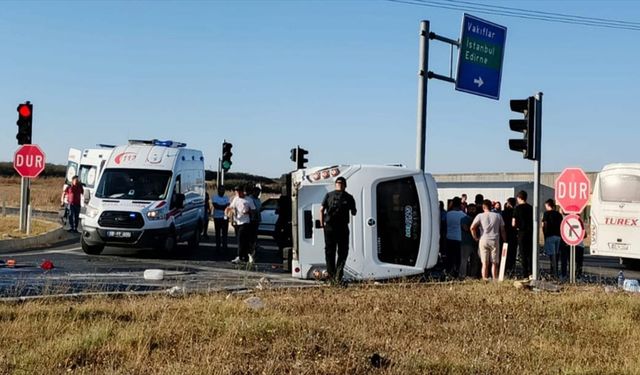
(547, 179)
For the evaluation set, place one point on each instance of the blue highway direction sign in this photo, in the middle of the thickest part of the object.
(481, 56)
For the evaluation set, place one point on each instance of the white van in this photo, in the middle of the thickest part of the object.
(615, 212)
(395, 232)
(87, 165)
(150, 194)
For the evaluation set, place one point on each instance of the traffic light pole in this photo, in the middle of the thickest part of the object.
(24, 202)
(536, 184)
(424, 76)
(422, 94)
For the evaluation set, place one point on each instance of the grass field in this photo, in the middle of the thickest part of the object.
(465, 328)
(45, 192)
(9, 227)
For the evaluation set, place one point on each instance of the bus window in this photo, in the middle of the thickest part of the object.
(399, 223)
(620, 188)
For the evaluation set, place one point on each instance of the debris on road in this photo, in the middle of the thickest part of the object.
(631, 285)
(254, 303)
(46, 265)
(537, 285)
(153, 274)
(263, 284)
(176, 291)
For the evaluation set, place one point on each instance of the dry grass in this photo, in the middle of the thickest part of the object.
(469, 328)
(9, 227)
(45, 192)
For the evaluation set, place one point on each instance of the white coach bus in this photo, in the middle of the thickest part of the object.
(615, 212)
(395, 232)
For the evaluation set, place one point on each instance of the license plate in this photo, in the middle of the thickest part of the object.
(118, 234)
(619, 246)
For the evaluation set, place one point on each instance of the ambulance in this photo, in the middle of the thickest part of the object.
(395, 232)
(151, 194)
(87, 165)
(615, 213)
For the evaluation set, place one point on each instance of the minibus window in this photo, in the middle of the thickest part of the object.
(399, 222)
(620, 188)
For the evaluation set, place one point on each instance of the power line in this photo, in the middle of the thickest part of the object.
(582, 21)
(606, 20)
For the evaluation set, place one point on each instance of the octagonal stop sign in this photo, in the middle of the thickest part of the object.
(572, 190)
(29, 161)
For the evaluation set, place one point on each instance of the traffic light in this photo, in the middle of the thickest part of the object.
(298, 157)
(25, 117)
(226, 156)
(527, 144)
(301, 160)
(294, 155)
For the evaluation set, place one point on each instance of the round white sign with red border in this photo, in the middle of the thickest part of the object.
(572, 230)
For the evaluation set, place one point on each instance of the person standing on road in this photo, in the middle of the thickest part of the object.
(255, 218)
(551, 220)
(454, 236)
(73, 194)
(512, 236)
(334, 218)
(240, 208)
(523, 222)
(468, 245)
(489, 242)
(207, 214)
(221, 223)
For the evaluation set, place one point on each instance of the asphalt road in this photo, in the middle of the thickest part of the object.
(121, 270)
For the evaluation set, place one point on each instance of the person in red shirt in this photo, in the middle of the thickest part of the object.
(73, 193)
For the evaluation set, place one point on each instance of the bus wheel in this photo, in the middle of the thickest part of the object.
(630, 263)
(91, 249)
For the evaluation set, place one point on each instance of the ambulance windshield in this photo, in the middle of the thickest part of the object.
(134, 184)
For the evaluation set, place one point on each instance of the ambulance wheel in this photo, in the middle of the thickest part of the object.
(91, 249)
(194, 241)
(170, 243)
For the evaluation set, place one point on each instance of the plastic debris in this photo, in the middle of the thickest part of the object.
(254, 303)
(153, 274)
(176, 291)
(46, 265)
(11, 263)
(263, 284)
(631, 285)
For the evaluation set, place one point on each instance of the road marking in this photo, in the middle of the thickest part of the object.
(43, 252)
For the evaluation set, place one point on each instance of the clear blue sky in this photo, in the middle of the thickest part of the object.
(336, 77)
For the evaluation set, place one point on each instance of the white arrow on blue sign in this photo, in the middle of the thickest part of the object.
(480, 57)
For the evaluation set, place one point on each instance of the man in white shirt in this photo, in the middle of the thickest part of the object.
(240, 209)
(492, 227)
(221, 222)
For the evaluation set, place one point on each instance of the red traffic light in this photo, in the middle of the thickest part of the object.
(24, 110)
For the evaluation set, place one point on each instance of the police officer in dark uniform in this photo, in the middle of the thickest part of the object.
(334, 218)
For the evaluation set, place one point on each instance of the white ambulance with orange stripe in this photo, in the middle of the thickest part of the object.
(150, 194)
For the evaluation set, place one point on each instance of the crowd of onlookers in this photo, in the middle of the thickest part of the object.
(474, 237)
